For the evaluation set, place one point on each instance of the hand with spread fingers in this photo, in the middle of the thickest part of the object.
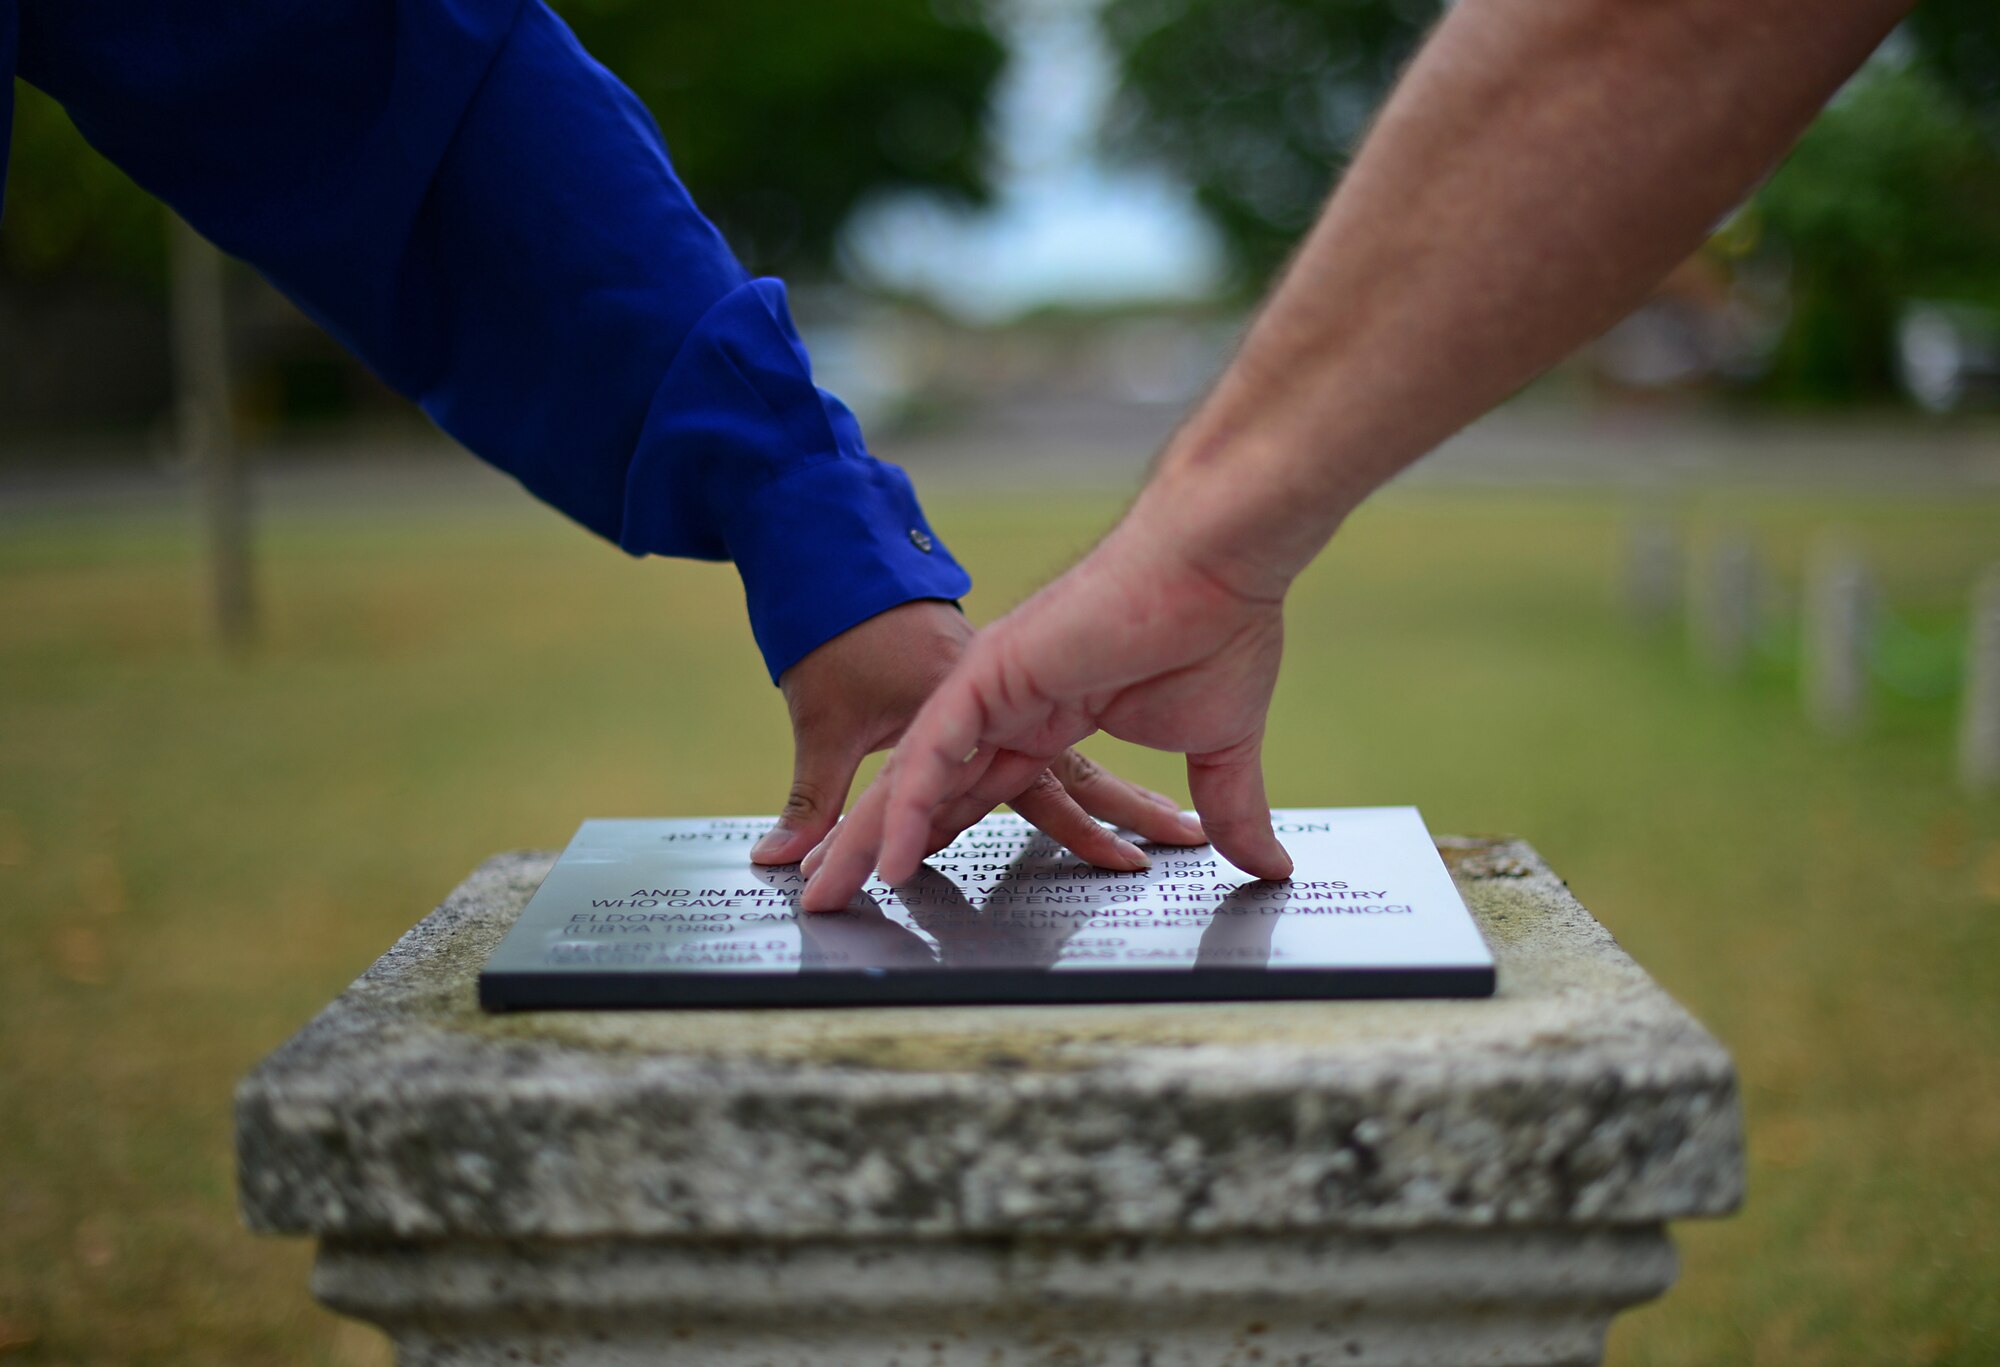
(1138, 641)
(1539, 167)
(855, 695)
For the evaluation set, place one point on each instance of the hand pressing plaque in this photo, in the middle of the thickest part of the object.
(672, 913)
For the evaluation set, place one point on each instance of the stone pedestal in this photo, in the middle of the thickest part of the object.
(1435, 1182)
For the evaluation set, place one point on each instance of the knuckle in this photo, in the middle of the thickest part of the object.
(1045, 785)
(805, 800)
(1081, 771)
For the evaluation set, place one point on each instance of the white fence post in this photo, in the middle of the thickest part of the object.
(1979, 717)
(1724, 620)
(1654, 571)
(1834, 650)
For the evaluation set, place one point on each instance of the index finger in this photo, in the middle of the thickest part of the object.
(849, 853)
(924, 770)
(842, 863)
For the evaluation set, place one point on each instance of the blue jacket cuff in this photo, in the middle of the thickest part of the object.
(742, 457)
(830, 546)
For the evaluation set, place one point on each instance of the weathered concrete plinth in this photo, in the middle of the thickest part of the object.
(1447, 1182)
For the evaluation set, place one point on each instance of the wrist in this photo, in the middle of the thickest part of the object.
(1236, 511)
(831, 547)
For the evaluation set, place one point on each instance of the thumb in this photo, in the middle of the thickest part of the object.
(822, 773)
(1228, 791)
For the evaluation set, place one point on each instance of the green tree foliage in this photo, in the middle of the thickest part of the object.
(1894, 194)
(1959, 41)
(1257, 104)
(69, 210)
(781, 116)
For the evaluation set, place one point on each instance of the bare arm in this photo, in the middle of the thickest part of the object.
(1540, 166)
(1536, 172)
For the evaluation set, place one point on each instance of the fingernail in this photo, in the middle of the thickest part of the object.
(814, 858)
(775, 845)
(1134, 856)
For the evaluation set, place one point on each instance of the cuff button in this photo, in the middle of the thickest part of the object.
(921, 540)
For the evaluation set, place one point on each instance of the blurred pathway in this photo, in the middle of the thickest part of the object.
(1081, 445)
(1078, 443)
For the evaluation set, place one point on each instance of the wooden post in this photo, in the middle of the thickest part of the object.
(1724, 622)
(1833, 659)
(1979, 723)
(1653, 573)
(206, 435)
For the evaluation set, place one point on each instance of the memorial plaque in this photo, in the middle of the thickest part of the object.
(672, 913)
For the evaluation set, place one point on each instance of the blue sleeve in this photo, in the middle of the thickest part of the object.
(488, 219)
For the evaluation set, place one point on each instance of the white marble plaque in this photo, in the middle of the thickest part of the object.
(672, 913)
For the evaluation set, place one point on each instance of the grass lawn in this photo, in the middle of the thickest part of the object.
(195, 855)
